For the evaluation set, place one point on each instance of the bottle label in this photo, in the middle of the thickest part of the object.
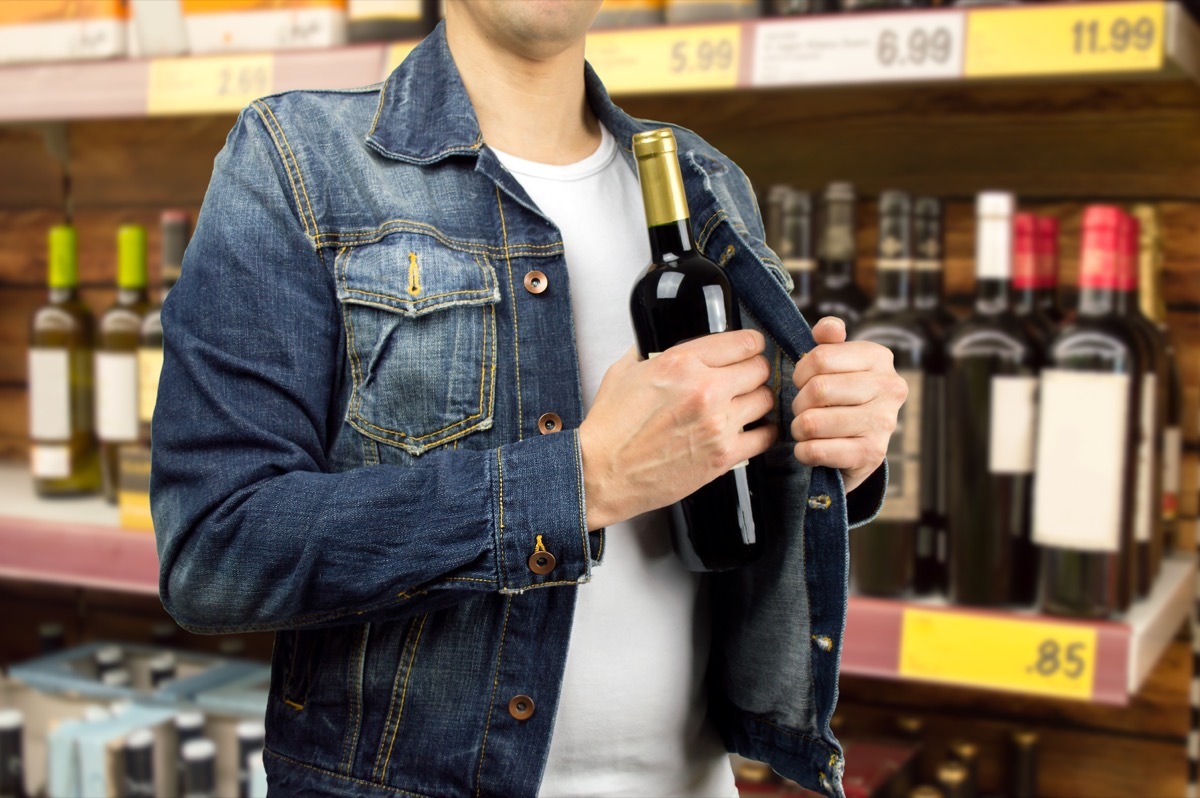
(149, 367)
(116, 396)
(799, 264)
(49, 394)
(49, 461)
(1079, 484)
(1013, 424)
(903, 500)
(1172, 457)
(1145, 505)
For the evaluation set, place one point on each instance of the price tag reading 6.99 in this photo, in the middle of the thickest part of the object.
(918, 47)
(1028, 655)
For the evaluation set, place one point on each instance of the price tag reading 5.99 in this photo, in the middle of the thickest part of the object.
(667, 59)
(1028, 655)
(701, 56)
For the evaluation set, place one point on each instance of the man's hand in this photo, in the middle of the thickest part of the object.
(662, 428)
(849, 398)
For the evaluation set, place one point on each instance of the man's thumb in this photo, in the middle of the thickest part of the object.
(829, 330)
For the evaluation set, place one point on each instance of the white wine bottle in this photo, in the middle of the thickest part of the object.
(62, 449)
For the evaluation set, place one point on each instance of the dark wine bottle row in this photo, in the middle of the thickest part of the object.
(1037, 458)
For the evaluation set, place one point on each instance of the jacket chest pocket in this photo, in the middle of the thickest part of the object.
(421, 333)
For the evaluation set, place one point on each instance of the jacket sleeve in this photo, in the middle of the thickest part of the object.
(254, 529)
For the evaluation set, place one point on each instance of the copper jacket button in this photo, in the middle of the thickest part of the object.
(521, 707)
(536, 282)
(549, 422)
(542, 562)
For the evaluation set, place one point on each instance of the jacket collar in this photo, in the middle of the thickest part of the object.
(425, 115)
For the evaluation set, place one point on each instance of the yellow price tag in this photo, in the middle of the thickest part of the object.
(693, 57)
(201, 85)
(1064, 39)
(1028, 656)
(395, 54)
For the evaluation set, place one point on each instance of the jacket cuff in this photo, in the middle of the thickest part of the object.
(541, 523)
(864, 502)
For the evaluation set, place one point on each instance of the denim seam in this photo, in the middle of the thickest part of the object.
(289, 760)
(503, 555)
(403, 695)
(355, 700)
(452, 427)
(291, 675)
(456, 149)
(378, 109)
(586, 549)
(487, 726)
(468, 579)
(512, 292)
(488, 292)
(296, 166)
(791, 733)
(291, 179)
(706, 231)
(421, 228)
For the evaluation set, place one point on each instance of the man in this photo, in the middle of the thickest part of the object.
(400, 423)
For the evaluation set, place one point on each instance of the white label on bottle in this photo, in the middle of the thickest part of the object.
(49, 394)
(1145, 506)
(150, 361)
(1172, 470)
(903, 500)
(1079, 483)
(858, 48)
(50, 461)
(1013, 424)
(116, 396)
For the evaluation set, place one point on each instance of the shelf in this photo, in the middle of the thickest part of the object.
(1143, 39)
(70, 541)
(1100, 661)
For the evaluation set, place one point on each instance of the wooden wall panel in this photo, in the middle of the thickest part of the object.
(30, 175)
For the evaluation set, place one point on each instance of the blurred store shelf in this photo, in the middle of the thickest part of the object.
(1147, 39)
(1100, 661)
(74, 542)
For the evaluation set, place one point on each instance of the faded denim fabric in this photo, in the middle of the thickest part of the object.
(346, 451)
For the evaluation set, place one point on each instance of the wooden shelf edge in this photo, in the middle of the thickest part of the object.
(78, 555)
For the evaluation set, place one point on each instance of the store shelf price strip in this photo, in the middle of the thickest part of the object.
(1066, 39)
(689, 57)
(207, 84)
(861, 49)
(1023, 655)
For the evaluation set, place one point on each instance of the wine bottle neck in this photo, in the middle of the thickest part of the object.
(928, 285)
(62, 294)
(670, 242)
(893, 288)
(1095, 302)
(127, 297)
(991, 295)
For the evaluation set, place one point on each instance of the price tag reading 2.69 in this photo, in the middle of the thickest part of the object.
(688, 57)
(1066, 39)
(207, 84)
(1028, 655)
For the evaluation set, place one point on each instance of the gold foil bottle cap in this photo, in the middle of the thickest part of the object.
(654, 142)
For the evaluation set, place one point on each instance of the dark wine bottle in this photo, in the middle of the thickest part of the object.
(1147, 510)
(1086, 444)
(117, 332)
(1023, 766)
(189, 727)
(837, 293)
(883, 553)
(1150, 279)
(1028, 291)
(250, 740)
(12, 758)
(1045, 244)
(683, 295)
(150, 336)
(790, 235)
(991, 387)
(930, 570)
(199, 768)
(139, 765)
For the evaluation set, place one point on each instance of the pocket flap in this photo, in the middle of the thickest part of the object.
(413, 275)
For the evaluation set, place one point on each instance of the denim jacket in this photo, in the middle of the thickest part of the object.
(347, 451)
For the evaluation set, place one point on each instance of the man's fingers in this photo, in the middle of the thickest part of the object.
(841, 390)
(874, 419)
(829, 330)
(840, 453)
(753, 442)
(841, 358)
(724, 349)
(752, 406)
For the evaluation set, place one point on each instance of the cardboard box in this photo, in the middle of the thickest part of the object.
(59, 30)
(227, 26)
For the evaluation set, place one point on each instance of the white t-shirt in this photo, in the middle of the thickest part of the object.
(631, 717)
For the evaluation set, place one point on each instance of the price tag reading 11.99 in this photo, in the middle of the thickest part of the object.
(1067, 39)
(1026, 655)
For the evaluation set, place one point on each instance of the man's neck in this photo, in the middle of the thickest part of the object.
(533, 108)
